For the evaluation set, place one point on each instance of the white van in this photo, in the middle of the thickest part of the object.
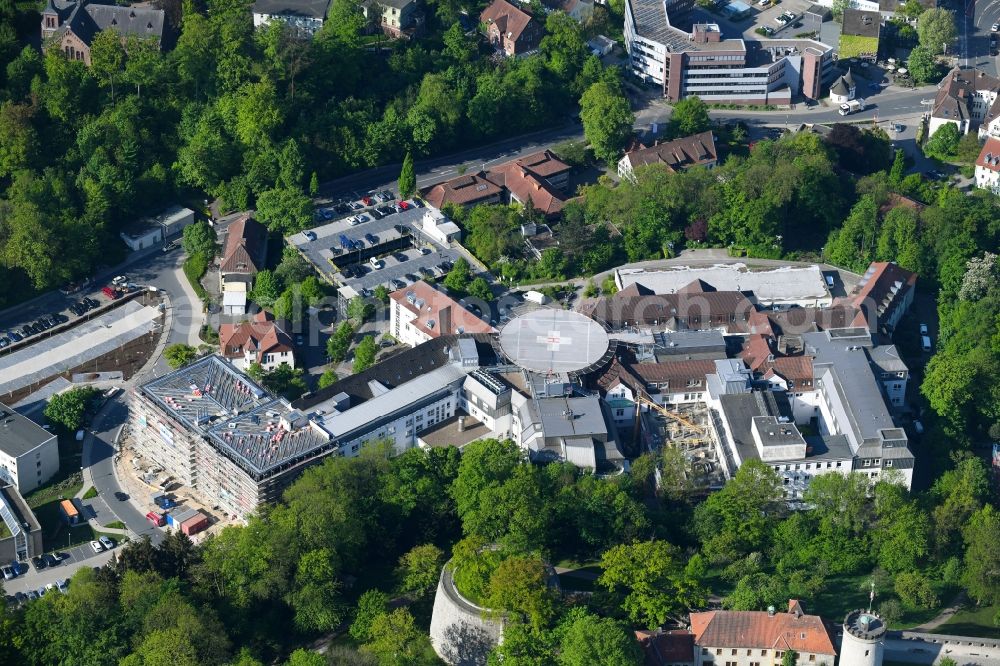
(925, 343)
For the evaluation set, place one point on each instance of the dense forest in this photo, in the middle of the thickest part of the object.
(256, 118)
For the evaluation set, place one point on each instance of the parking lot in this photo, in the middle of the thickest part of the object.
(361, 252)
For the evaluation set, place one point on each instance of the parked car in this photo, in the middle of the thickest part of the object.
(923, 329)
(372, 239)
(403, 205)
(109, 292)
(14, 335)
(925, 343)
(50, 559)
(376, 213)
(311, 235)
(107, 542)
(8, 573)
(63, 585)
(96, 546)
(399, 256)
(156, 518)
(38, 562)
(995, 27)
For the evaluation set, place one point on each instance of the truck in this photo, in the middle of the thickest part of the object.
(855, 105)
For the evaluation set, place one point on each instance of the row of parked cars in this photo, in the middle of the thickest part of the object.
(43, 323)
(19, 598)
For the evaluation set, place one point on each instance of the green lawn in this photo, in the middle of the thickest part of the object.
(852, 46)
(116, 525)
(67, 482)
(57, 535)
(91, 493)
(973, 621)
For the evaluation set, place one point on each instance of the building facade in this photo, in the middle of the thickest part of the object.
(305, 17)
(509, 29)
(967, 98)
(687, 59)
(988, 166)
(29, 454)
(260, 340)
(72, 25)
(420, 312)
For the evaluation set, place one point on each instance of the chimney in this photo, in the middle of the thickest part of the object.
(461, 424)
(770, 611)
(444, 316)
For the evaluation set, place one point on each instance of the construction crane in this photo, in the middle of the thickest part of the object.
(644, 400)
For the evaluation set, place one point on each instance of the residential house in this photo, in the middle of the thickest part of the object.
(744, 638)
(29, 454)
(399, 17)
(541, 177)
(304, 17)
(72, 25)
(968, 99)
(884, 294)
(243, 257)
(511, 30)
(259, 340)
(988, 166)
(420, 312)
(676, 155)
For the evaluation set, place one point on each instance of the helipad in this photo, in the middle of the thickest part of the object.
(553, 341)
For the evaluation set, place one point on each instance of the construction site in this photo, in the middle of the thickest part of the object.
(689, 428)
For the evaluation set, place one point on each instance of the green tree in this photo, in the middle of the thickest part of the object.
(178, 355)
(790, 658)
(382, 294)
(199, 238)
(981, 577)
(286, 210)
(891, 611)
(313, 184)
(943, 144)
(898, 170)
(339, 343)
(458, 277)
(480, 288)
(68, 408)
(757, 591)
(912, 9)
(519, 587)
(328, 378)
(689, 116)
(607, 119)
(360, 309)
(303, 657)
(364, 354)
(372, 604)
(923, 65)
(396, 641)
(936, 29)
(657, 585)
(419, 570)
(407, 177)
(587, 639)
(266, 289)
(914, 589)
(107, 57)
(315, 597)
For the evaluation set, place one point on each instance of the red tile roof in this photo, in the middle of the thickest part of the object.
(885, 285)
(798, 369)
(756, 351)
(464, 190)
(989, 157)
(523, 183)
(688, 309)
(698, 149)
(758, 629)
(261, 334)
(246, 240)
(675, 376)
(429, 304)
(667, 648)
(510, 20)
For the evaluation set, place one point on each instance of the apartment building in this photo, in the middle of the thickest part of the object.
(689, 58)
(988, 166)
(676, 155)
(420, 312)
(304, 17)
(968, 98)
(29, 454)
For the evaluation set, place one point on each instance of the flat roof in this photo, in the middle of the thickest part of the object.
(572, 417)
(19, 434)
(448, 432)
(783, 284)
(552, 341)
(237, 416)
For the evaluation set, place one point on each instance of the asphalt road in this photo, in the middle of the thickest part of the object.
(102, 454)
(974, 24)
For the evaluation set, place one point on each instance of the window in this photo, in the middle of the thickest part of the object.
(763, 653)
(812, 657)
(888, 463)
(867, 463)
(718, 651)
(734, 652)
